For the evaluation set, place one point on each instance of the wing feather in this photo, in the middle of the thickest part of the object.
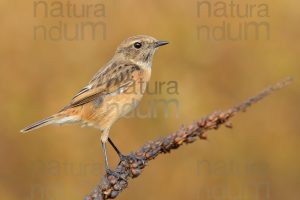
(111, 80)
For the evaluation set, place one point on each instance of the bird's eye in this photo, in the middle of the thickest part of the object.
(137, 45)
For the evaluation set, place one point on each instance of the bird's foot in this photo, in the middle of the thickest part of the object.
(131, 159)
(127, 158)
(110, 173)
(122, 157)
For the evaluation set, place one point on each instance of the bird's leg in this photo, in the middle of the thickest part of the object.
(107, 169)
(121, 156)
(104, 137)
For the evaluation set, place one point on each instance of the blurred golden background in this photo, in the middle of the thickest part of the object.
(256, 160)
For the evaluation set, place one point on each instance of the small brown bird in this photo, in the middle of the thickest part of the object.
(114, 90)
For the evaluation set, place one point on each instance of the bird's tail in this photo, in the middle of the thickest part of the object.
(39, 124)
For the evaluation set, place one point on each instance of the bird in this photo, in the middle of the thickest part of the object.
(114, 91)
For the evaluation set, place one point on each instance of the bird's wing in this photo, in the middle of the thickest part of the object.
(113, 79)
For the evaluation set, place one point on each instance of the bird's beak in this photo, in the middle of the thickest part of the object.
(160, 43)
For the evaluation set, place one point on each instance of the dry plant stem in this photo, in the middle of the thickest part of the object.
(111, 186)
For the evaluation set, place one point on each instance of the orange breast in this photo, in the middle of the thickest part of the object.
(113, 106)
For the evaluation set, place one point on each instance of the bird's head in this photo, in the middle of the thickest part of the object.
(139, 49)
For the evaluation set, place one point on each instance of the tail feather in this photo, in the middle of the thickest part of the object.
(38, 124)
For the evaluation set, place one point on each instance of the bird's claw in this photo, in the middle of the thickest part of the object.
(122, 157)
(109, 173)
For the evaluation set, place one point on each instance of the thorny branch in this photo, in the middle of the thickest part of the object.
(111, 186)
